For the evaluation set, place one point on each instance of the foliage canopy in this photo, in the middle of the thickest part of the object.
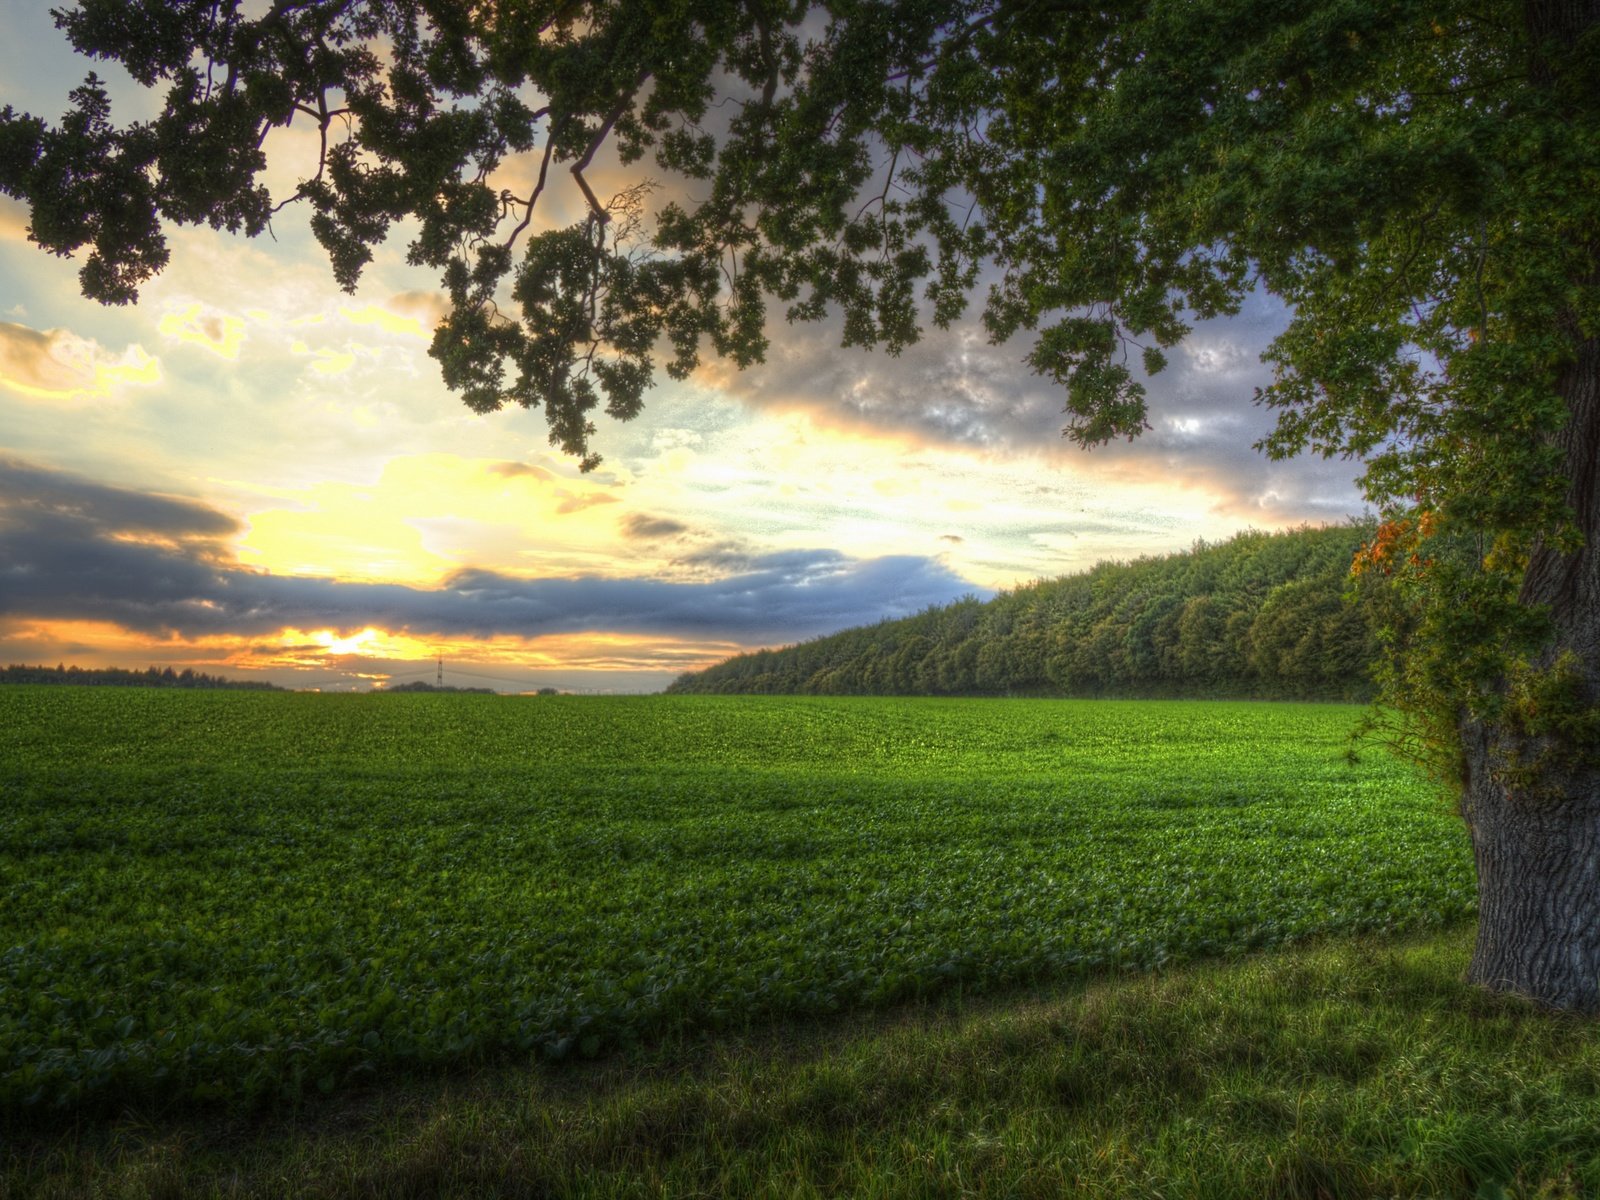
(1107, 173)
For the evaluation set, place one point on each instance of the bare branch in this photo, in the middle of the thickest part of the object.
(325, 117)
(538, 187)
(882, 198)
(595, 207)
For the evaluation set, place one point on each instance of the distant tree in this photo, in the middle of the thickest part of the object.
(1201, 649)
(420, 685)
(119, 677)
(1415, 180)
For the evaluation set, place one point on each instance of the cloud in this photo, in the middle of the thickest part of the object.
(514, 470)
(429, 309)
(641, 526)
(954, 390)
(213, 331)
(575, 502)
(59, 365)
(781, 597)
(30, 494)
(419, 518)
(31, 362)
(326, 361)
(722, 557)
(400, 324)
(74, 550)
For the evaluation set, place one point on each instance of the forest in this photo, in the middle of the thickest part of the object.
(119, 677)
(1259, 616)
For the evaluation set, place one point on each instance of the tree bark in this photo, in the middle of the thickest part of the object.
(1538, 889)
(1532, 803)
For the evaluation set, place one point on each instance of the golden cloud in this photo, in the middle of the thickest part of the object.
(215, 332)
(429, 309)
(59, 365)
(388, 322)
(426, 516)
(510, 470)
(106, 644)
(504, 652)
(571, 502)
(325, 361)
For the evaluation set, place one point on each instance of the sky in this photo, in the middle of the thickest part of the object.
(254, 474)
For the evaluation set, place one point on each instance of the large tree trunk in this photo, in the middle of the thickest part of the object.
(1538, 889)
(1532, 793)
(1532, 802)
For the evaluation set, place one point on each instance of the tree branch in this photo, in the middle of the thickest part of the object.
(544, 168)
(600, 214)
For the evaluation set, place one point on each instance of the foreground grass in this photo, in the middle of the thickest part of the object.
(1350, 1068)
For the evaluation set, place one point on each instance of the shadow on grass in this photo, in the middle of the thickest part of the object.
(1348, 1068)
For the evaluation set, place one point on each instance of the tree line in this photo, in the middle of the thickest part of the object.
(1257, 616)
(119, 677)
(422, 685)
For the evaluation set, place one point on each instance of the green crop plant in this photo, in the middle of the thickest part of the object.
(237, 897)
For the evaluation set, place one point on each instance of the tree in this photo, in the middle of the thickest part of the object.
(1284, 631)
(1417, 181)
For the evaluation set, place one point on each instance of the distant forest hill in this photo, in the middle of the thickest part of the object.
(422, 686)
(1260, 616)
(117, 677)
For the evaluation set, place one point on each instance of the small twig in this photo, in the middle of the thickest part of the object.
(882, 198)
(1477, 276)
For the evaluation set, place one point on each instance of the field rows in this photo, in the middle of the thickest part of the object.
(240, 896)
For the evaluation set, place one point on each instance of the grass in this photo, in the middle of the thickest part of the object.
(1347, 1068)
(239, 899)
(783, 948)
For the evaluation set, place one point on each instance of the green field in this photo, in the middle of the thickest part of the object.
(242, 896)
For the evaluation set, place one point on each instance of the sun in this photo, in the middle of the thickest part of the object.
(358, 643)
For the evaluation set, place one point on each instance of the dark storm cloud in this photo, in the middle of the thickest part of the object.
(66, 554)
(43, 495)
(793, 594)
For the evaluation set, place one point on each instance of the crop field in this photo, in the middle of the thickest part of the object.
(237, 897)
